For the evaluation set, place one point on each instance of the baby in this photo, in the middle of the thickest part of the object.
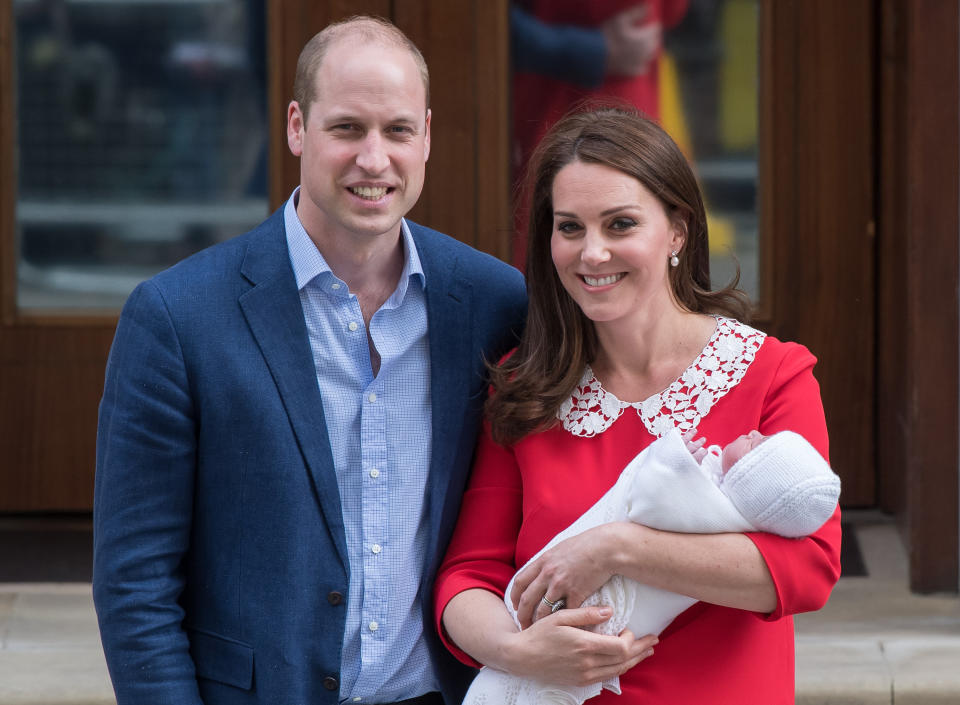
(778, 484)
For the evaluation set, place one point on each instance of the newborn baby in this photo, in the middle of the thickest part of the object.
(778, 484)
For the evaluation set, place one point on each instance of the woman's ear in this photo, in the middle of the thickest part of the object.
(679, 230)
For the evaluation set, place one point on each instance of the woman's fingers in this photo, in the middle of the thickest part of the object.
(522, 581)
(562, 652)
(571, 571)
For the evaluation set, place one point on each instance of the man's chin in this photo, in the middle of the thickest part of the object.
(375, 226)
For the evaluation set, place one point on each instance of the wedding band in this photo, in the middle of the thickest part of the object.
(558, 605)
(552, 605)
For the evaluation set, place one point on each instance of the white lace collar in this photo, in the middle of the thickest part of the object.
(718, 368)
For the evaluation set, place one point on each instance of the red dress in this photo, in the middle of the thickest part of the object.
(520, 497)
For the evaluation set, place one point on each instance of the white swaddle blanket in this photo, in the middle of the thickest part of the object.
(665, 488)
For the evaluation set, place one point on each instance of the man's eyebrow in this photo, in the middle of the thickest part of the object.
(351, 117)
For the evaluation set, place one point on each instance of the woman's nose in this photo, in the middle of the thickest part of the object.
(594, 248)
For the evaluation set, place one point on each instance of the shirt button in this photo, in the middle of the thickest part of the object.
(331, 683)
(376, 548)
(353, 325)
(374, 473)
(357, 699)
(372, 397)
(373, 626)
(334, 597)
(335, 286)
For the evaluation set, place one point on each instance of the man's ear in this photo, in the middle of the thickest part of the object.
(426, 136)
(295, 128)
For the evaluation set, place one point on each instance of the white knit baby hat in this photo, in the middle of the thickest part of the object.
(783, 486)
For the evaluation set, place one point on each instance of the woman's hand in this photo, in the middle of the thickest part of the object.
(558, 650)
(572, 571)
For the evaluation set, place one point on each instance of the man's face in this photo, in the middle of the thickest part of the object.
(364, 147)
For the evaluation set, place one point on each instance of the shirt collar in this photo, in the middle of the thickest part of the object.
(308, 263)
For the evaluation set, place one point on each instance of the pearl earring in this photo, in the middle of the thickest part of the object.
(674, 260)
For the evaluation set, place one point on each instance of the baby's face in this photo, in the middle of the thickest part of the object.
(739, 447)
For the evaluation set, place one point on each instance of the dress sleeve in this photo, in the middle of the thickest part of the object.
(804, 570)
(482, 551)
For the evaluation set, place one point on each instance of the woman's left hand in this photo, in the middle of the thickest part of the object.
(572, 571)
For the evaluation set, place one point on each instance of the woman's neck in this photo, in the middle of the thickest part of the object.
(637, 361)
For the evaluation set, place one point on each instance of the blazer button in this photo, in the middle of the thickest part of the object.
(334, 597)
(330, 683)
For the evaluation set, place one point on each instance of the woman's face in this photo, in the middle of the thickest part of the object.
(611, 242)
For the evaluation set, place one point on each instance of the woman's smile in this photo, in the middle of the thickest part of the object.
(611, 242)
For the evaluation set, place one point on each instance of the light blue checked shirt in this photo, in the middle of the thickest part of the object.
(380, 432)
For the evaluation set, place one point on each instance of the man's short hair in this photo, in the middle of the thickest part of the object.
(362, 28)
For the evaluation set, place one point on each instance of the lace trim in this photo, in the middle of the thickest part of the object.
(719, 368)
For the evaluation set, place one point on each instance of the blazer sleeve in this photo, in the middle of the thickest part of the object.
(482, 551)
(804, 570)
(146, 450)
(561, 52)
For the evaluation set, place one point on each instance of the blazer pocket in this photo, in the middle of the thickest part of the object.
(220, 659)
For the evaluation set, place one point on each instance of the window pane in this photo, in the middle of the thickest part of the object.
(702, 87)
(714, 51)
(141, 134)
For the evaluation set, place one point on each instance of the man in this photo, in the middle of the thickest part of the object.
(289, 417)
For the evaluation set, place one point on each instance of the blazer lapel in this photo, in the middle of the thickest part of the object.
(448, 306)
(275, 316)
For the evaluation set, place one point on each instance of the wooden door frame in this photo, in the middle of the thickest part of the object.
(817, 211)
(51, 362)
(919, 274)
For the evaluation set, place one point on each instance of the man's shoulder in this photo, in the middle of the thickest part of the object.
(439, 249)
(225, 258)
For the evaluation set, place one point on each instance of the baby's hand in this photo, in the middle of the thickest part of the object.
(695, 446)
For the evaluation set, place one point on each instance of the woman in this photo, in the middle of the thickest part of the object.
(624, 341)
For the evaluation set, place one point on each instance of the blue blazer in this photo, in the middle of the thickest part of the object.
(220, 560)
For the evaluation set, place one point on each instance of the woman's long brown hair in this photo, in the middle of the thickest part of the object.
(559, 341)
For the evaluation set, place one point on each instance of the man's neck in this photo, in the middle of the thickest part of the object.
(370, 266)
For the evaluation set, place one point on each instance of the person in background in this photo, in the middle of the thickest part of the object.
(566, 52)
(626, 341)
(288, 420)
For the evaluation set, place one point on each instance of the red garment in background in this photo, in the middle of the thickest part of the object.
(539, 101)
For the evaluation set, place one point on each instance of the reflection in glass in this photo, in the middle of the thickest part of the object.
(141, 135)
(691, 64)
(711, 67)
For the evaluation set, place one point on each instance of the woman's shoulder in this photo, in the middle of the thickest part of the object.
(784, 355)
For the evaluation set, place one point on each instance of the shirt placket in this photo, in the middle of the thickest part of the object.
(374, 472)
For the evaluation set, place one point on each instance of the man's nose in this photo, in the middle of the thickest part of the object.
(372, 157)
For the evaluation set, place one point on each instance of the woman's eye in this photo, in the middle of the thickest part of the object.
(623, 224)
(567, 227)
